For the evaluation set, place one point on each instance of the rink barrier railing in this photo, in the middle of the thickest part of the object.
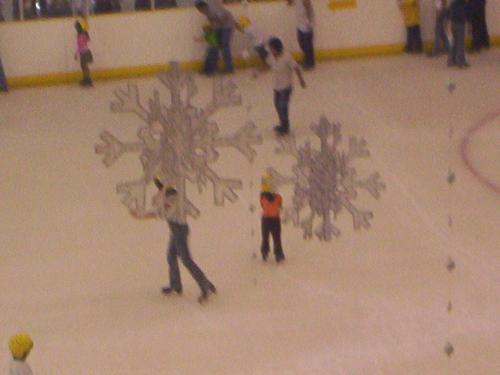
(146, 70)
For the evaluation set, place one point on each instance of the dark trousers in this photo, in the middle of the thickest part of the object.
(306, 44)
(413, 39)
(178, 248)
(3, 80)
(480, 36)
(224, 37)
(281, 100)
(457, 50)
(262, 52)
(272, 226)
(441, 42)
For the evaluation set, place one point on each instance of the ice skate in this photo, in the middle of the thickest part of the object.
(168, 290)
(206, 293)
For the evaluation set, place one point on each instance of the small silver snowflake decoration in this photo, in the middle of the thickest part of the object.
(178, 142)
(325, 182)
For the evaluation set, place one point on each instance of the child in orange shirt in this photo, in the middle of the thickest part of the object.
(271, 203)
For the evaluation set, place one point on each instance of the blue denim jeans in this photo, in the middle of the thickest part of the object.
(457, 50)
(3, 80)
(224, 37)
(178, 248)
(305, 40)
(281, 100)
(441, 43)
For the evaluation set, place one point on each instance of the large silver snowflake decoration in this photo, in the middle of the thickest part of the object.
(325, 182)
(178, 141)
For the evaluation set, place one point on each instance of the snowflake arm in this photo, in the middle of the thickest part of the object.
(242, 140)
(360, 218)
(128, 101)
(223, 95)
(112, 148)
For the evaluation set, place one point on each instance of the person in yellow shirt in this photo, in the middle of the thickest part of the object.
(411, 15)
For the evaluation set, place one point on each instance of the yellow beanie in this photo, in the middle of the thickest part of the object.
(266, 183)
(244, 21)
(20, 345)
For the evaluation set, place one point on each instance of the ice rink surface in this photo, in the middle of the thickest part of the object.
(83, 277)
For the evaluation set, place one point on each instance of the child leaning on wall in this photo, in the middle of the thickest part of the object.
(411, 14)
(20, 346)
(255, 36)
(83, 53)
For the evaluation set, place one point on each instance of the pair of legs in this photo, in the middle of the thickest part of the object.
(85, 60)
(224, 37)
(480, 36)
(441, 42)
(457, 50)
(281, 100)
(178, 248)
(3, 80)
(272, 227)
(306, 43)
(413, 39)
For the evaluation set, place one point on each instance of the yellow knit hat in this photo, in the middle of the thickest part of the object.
(20, 345)
(244, 21)
(266, 183)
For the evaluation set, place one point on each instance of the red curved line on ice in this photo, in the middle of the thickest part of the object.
(464, 151)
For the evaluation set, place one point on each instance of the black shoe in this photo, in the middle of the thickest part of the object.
(280, 130)
(86, 83)
(167, 290)
(264, 257)
(206, 293)
(280, 258)
(464, 66)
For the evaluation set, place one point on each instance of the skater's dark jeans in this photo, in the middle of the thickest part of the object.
(224, 36)
(305, 39)
(441, 43)
(3, 80)
(281, 100)
(178, 247)
(457, 49)
(413, 39)
(480, 36)
(271, 226)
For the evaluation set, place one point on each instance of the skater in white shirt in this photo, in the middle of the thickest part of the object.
(283, 65)
(305, 30)
(20, 346)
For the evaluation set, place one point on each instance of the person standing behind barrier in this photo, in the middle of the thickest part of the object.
(223, 22)
(411, 15)
(477, 17)
(458, 14)
(305, 30)
(3, 79)
(441, 42)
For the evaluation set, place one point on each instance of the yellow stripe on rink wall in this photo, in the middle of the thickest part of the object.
(145, 70)
(335, 5)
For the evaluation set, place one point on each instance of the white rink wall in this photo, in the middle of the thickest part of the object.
(44, 47)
